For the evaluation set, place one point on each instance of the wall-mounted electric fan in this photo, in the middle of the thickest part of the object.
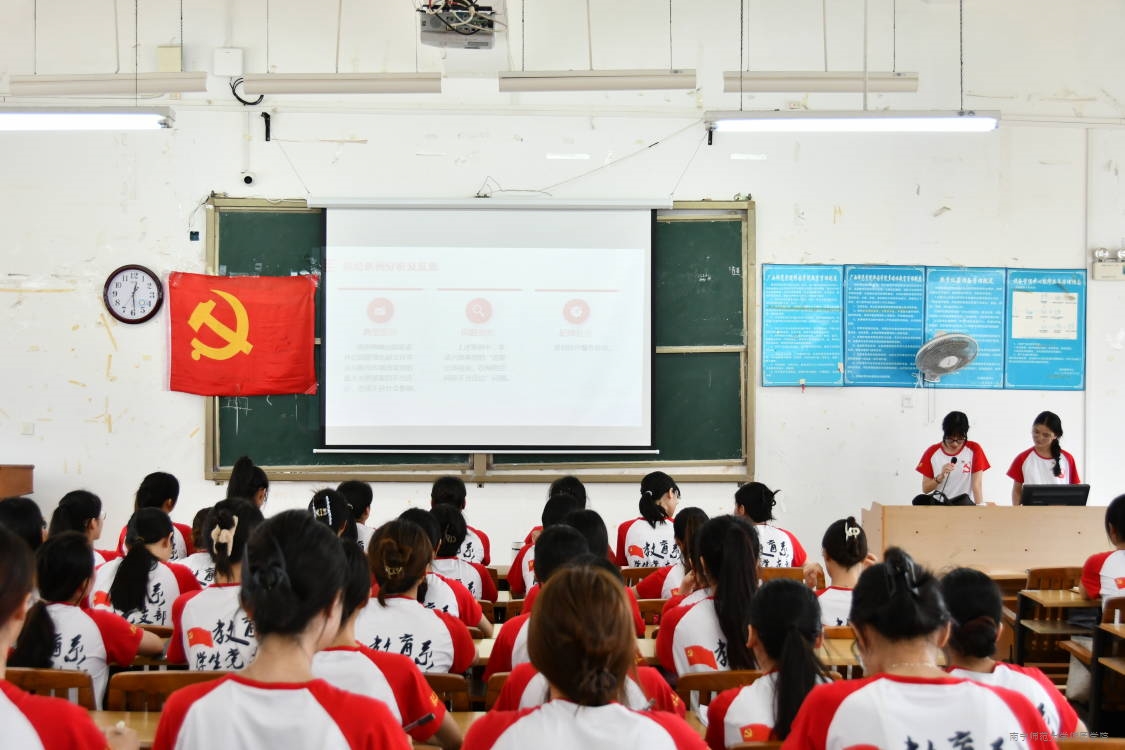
(943, 354)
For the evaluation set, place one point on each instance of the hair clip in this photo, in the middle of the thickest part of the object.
(393, 571)
(224, 536)
(325, 512)
(850, 531)
(906, 573)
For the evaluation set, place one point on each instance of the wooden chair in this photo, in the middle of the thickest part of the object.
(1041, 646)
(796, 574)
(651, 609)
(453, 689)
(147, 691)
(488, 609)
(633, 576)
(55, 682)
(710, 684)
(838, 633)
(493, 688)
(766, 745)
(158, 630)
(1114, 608)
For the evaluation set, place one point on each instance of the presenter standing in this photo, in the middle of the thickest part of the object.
(954, 467)
(1045, 462)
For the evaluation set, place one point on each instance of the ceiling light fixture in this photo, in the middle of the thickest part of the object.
(883, 121)
(516, 81)
(85, 119)
(108, 83)
(342, 83)
(757, 81)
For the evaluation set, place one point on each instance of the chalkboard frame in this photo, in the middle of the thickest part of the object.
(484, 467)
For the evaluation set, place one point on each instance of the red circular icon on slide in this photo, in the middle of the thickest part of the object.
(380, 310)
(478, 310)
(576, 311)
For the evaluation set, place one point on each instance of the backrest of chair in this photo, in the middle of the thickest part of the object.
(492, 689)
(710, 684)
(1057, 579)
(147, 691)
(633, 576)
(488, 609)
(1113, 610)
(453, 689)
(796, 574)
(651, 609)
(764, 745)
(838, 632)
(55, 682)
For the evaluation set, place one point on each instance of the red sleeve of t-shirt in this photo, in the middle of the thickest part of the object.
(185, 579)
(185, 532)
(485, 546)
(980, 461)
(122, 639)
(809, 730)
(652, 585)
(177, 653)
(799, 555)
(515, 573)
(500, 660)
(622, 531)
(413, 695)
(664, 637)
(530, 538)
(464, 650)
(366, 723)
(657, 689)
(682, 735)
(58, 722)
(514, 686)
(1015, 471)
(485, 731)
(1068, 718)
(529, 600)
(1031, 721)
(716, 715)
(925, 465)
(671, 603)
(638, 621)
(1073, 468)
(468, 608)
(1092, 574)
(488, 590)
(121, 542)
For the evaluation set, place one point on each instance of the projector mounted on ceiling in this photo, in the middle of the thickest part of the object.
(458, 24)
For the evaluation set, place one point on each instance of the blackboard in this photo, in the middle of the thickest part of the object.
(701, 260)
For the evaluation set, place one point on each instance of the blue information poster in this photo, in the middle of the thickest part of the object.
(802, 325)
(970, 301)
(1045, 344)
(883, 320)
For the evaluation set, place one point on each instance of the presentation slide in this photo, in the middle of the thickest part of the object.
(487, 329)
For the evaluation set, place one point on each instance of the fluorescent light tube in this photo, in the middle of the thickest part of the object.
(108, 83)
(755, 81)
(342, 83)
(802, 121)
(85, 119)
(595, 80)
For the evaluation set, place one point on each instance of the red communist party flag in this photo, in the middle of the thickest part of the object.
(241, 335)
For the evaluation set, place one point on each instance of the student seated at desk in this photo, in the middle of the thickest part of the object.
(449, 563)
(568, 485)
(665, 582)
(1104, 573)
(142, 586)
(451, 491)
(784, 633)
(779, 548)
(22, 517)
(556, 546)
(161, 490)
(295, 573)
(200, 562)
(81, 511)
(394, 620)
(248, 482)
(900, 624)
(1045, 462)
(392, 679)
(331, 508)
(706, 629)
(844, 548)
(521, 575)
(359, 496)
(32, 721)
(91, 639)
(581, 640)
(975, 610)
(649, 541)
(210, 629)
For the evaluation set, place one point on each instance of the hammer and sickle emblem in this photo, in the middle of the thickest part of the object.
(236, 339)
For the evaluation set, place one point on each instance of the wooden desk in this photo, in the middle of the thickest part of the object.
(142, 722)
(1104, 637)
(15, 479)
(1029, 599)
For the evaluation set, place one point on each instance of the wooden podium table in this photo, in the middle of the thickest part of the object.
(15, 479)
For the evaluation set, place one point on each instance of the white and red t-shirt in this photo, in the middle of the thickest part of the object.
(453, 598)
(35, 722)
(521, 574)
(473, 576)
(166, 581)
(970, 460)
(210, 630)
(564, 725)
(364, 535)
(1031, 468)
(436, 641)
(1035, 686)
(779, 548)
(743, 714)
(181, 541)
(888, 711)
(645, 689)
(641, 545)
(661, 584)
(233, 711)
(89, 640)
(690, 639)
(638, 620)
(835, 606)
(202, 566)
(390, 678)
(102, 556)
(1104, 575)
(475, 548)
(510, 647)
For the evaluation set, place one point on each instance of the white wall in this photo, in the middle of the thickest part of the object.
(1037, 193)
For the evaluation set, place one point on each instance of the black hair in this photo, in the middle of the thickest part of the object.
(451, 529)
(976, 608)
(757, 501)
(74, 512)
(155, 489)
(786, 617)
(684, 528)
(449, 490)
(1115, 518)
(357, 580)
(1051, 421)
(358, 495)
(571, 485)
(726, 554)
(955, 424)
(845, 542)
(593, 560)
(246, 479)
(899, 598)
(17, 576)
(292, 571)
(426, 521)
(653, 487)
(233, 513)
(130, 583)
(331, 508)
(398, 554)
(199, 524)
(556, 509)
(21, 516)
(63, 564)
(556, 546)
(590, 525)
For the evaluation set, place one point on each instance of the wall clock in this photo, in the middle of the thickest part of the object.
(133, 294)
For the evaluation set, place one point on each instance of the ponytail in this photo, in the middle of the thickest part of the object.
(228, 529)
(653, 487)
(64, 564)
(76, 509)
(398, 555)
(727, 547)
(845, 542)
(130, 583)
(975, 607)
(898, 598)
(1056, 453)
